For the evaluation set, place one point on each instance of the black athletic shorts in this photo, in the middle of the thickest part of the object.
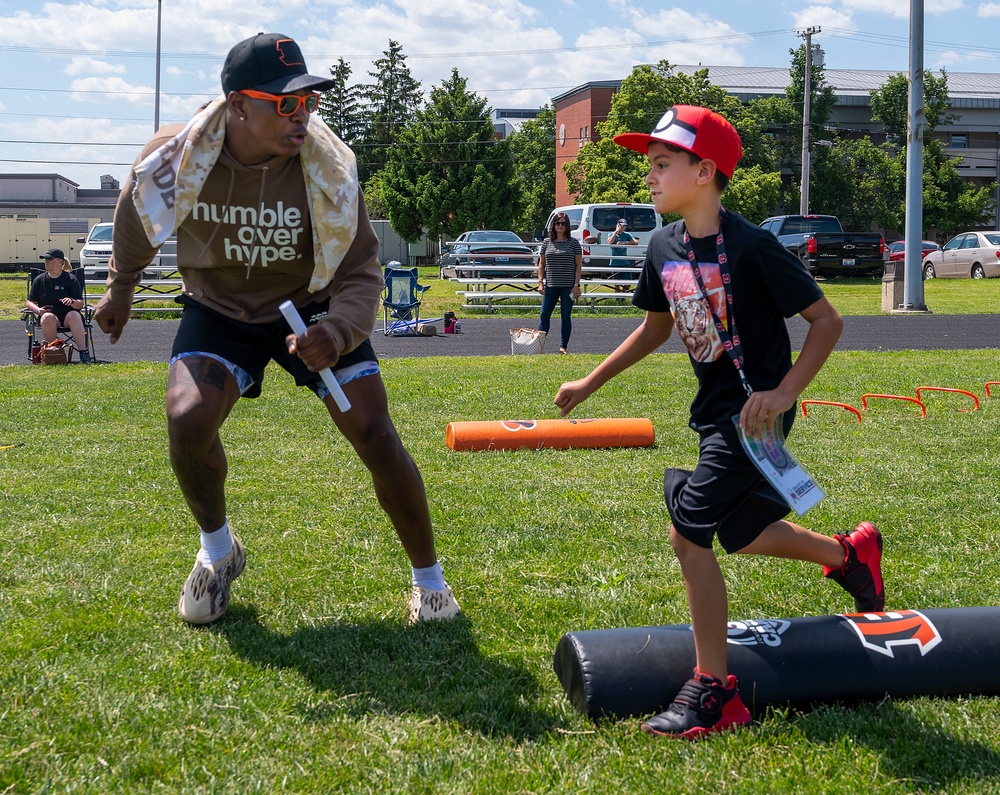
(726, 495)
(249, 347)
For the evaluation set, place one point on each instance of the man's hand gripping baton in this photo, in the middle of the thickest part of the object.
(299, 328)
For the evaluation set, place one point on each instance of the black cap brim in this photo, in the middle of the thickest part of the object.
(286, 85)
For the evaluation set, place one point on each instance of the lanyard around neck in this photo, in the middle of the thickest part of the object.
(730, 336)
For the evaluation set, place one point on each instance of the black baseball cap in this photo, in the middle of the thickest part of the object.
(54, 253)
(269, 62)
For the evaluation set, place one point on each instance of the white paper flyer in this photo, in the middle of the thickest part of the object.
(768, 452)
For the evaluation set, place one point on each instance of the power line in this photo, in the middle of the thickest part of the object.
(69, 143)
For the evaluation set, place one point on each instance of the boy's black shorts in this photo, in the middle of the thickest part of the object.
(726, 495)
(251, 346)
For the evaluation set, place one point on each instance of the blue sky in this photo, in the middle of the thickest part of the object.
(78, 79)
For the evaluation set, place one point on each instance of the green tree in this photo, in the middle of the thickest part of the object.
(533, 148)
(390, 103)
(890, 104)
(373, 197)
(822, 98)
(753, 193)
(340, 106)
(448, 172)
(604, 171)
(950, 203)
(858, 181)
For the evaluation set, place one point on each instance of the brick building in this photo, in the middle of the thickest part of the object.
(975, 100)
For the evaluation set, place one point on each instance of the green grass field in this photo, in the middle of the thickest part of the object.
(850, 296)
(312, 683)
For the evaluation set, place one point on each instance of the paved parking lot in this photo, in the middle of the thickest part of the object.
(150, 340)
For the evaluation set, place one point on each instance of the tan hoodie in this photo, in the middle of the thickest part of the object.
(247, 246)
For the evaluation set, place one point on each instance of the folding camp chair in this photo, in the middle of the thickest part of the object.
(32, 326)
(401, 300)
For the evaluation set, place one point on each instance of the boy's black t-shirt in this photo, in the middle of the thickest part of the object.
(769, 284)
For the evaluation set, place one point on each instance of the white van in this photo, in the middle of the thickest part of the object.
(599, 221)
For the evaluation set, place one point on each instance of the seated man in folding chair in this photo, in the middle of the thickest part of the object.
(57, 298)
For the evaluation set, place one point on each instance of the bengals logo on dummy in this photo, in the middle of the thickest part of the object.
(518, 425)
(529, 425)
(882, 631)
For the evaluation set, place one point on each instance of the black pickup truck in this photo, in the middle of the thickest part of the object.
(825, 248)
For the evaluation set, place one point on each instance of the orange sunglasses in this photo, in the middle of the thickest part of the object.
(287, 104)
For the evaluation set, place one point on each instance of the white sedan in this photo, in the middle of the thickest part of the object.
(974, 255)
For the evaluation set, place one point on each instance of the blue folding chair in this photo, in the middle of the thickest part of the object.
(401, 300)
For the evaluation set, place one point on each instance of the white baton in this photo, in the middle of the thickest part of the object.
(299, 328)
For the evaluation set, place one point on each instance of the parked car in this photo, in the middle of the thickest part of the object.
(489, 247)
(973, 255)
(897, 249)
(96, 252)
(587, 221)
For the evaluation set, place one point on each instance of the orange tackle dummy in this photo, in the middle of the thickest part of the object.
(556, 434)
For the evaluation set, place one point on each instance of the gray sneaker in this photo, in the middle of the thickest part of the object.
(205, 596)
(427, 604)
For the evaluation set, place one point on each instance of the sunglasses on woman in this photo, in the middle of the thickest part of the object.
(287, 103)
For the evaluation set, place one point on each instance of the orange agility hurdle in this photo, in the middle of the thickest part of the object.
(975, 400)
(989, 384)
(829, 403)
(555, 434)
(864, 401)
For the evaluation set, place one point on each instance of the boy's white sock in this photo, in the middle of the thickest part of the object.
(431, 577)
(215, 545)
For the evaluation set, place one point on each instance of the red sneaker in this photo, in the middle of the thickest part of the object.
(703, 706)
(861, 572)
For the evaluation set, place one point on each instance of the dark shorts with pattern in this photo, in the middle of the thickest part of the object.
(726, 495)
(251, 346)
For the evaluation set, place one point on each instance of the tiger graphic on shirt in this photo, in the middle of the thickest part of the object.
(692, 309)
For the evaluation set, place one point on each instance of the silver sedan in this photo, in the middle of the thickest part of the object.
(974, 255)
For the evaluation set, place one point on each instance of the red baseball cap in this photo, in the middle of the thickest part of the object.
(693, 129)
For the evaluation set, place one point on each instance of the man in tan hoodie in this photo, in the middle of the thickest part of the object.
(264, 214)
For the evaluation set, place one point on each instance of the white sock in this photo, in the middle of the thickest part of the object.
(215, 545)
(432, 577)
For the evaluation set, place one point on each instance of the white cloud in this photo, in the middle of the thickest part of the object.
(89, 89)
(968, 60)
(823, 16)
(705, 39)
(83, 65)
(900, 9)
(988, 10)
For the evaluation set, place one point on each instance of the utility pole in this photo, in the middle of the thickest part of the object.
(806, 34)
(156, 112)
(913, 279)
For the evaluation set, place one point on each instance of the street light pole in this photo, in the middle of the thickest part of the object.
(807, 34)
(156, 112)
(913, 280)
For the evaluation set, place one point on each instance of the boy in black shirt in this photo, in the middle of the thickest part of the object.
(704, 275)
